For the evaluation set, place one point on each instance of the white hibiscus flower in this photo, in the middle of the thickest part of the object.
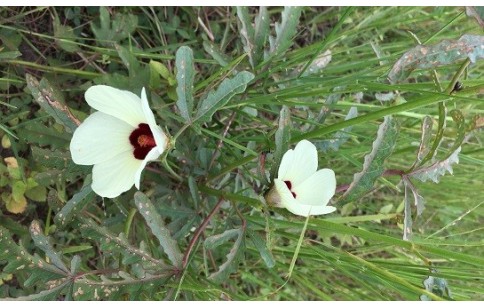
(119, 139)
(299, 187)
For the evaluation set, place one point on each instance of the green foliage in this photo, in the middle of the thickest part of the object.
(218, 98)
(373, 165)
(199, 229)
(115, 30)
(185, 76)
(155, 222)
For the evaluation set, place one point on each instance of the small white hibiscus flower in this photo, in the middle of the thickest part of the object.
(299, 187)
(119, 139)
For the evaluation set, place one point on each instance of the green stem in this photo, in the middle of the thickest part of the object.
(129, 221)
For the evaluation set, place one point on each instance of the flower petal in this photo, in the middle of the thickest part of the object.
(298, 164)
(152, 155)
(116, 175)
(99, 138)
(298, 208)
(318, 189)
(160, 137)
(120, 104)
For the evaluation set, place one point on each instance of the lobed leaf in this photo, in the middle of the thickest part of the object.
(436, 170)
(218, 98)
(285, 30)
(373, 165)
(109, 31)
(443, 53)
(230, 265)
(157, 226)
(247, 33)
(185, 74)
(73, 207)
(262, 248)
(43, 243)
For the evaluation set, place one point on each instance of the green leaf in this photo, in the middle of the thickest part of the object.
(121, 27)
(65, 36)
(218, 98)
(52, 101)
(215, 52)
(477, 12)
(157, 226)
(158, 69)
(74, 206)
(9, 55)
(253, 38)
(37, 193)
(285, 30)
(38, 133)
(283, 136)
(230, 265)
(262, 248)
(373, 164)
(444, 53)
(185, 74)
(18, 190)
(43, 243)
(261, 34)
(118, 244)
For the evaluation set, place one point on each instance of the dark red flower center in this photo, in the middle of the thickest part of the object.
(142, 140)
(289, 185)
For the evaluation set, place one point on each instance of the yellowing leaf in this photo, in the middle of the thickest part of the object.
(16, 207)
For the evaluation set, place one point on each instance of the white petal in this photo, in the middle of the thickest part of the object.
(160, 137)
(318, 189)
(298, 164)
(152, 155)
(99, 138)
(115, 176)
(296, 207)
(120, 104)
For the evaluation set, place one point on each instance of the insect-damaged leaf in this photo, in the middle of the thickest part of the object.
(373, 164)
(43, 243)
(74, 206)
(185, 74)
(443, 53)
(157, 226)
(218, 98)
(230, 265)
(51, 100)
(436, 170)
